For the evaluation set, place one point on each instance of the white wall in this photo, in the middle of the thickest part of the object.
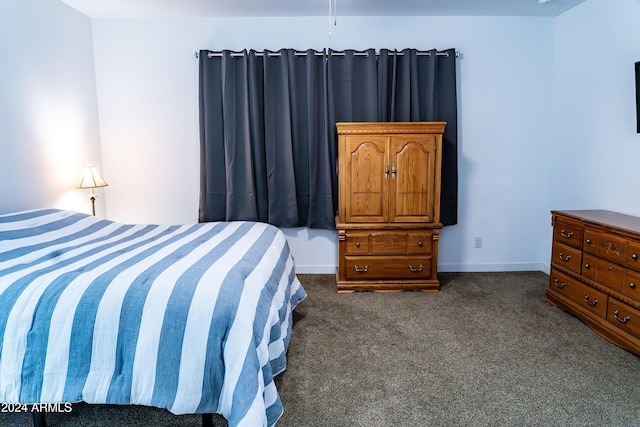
(48, 106)
(147, 91)
(597, 164)
(547, 115)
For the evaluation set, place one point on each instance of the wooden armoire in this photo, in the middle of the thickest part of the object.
(388, 218)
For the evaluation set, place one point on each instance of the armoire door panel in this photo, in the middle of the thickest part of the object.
(412, 187)
(368, 180)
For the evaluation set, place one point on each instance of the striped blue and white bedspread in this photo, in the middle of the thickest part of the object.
(193, 318)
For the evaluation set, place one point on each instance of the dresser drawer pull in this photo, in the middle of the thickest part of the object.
(420, 244)
(634, 257)
(610, 268)
(588, 241)
(415, 270)
(587, 266)
(560, 285)
(364, 270)
(632, 285)
(357, 244)
(591, 303)
(564, 258)
(564, 233)
(625, 319)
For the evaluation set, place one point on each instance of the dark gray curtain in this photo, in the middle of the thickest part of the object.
(267, 126)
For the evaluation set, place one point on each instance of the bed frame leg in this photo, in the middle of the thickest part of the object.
(207, 420)
(38, 419)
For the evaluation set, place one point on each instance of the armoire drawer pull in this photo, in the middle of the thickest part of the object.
(357, 244)
(632, 285)
(588, 241)
(558, 284)
(591, 303)
(415, 270)
(634, 257)
(364, 270)
(564, 258)
(587, 266)
(420, 244)
(564, 233)
(625, 319)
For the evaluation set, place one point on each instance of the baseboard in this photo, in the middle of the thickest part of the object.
(444, 268)
(315, 269)
(470, 268)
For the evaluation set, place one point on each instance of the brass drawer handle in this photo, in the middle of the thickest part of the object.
(560, 285)
(634, 257)
(357, 244)
(364, 270)
(588, 241)
(415, 270)
(625, 319)
(591, 303)
(632, 285)
(587, 266)
(420, 244)
(567, 235)
(610, 268)
(564, 258)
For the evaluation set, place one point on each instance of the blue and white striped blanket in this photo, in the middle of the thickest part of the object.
(193, 318)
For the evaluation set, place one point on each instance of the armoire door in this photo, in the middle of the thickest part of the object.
(412, 187)
(366, 192)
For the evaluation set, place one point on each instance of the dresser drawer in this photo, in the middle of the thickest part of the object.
(624, 317)
(357, 243)
(578, 294)
(633, 255)
(603, 271)
(606, 245)
(568, 233)
(389, 267)
(631, 284)
(567, 257)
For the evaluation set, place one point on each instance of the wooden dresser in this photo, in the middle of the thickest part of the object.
(388, 206)
(595, 272)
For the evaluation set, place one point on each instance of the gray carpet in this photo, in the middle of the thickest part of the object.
(484, 351)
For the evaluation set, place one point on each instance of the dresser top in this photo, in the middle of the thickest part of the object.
(604, 218)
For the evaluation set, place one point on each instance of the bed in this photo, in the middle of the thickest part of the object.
(192, 318)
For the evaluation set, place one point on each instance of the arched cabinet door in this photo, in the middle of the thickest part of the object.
(366, 180)
(412, 187)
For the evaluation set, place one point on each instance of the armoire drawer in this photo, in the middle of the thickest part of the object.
(389, 243)
(388, 267)
(624, 317)
(578, 294)
(357, 243)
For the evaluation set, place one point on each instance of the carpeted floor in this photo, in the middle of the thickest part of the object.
(484, 351)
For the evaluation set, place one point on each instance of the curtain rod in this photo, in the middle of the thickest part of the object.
(304, 53)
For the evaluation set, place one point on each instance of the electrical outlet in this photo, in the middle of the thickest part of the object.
(477, 242)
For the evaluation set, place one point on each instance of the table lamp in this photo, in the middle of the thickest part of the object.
(91, 179)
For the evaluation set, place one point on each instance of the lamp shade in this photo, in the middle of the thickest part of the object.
(91, 178)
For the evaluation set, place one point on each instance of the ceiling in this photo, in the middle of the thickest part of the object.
(266, 8)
